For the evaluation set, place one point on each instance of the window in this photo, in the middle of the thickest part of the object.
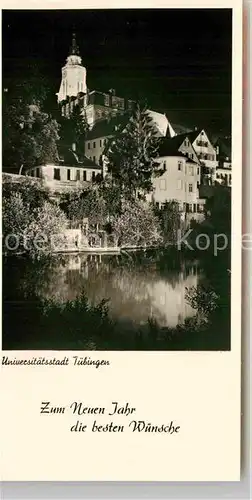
(180, 165)
(88, 145)
(100, 143)
(190, 171)
(190, 188)
(165, 168)
(130, 104)
(94, 144)
(93, 176)
(120, 103)
(179, 184)
(106, 100)
(77, 175)
(38, 172)
(68, 174)
(84, 175)
(57, 174)
(198, 171)
(94, 158)
(163, 184)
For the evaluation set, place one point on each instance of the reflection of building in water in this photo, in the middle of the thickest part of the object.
(169, 298)
(134, 294)
(74, 262)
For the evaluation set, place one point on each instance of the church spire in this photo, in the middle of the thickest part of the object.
(74, 50)
(73, 79)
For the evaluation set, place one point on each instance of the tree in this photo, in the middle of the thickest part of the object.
(218, 209)
(111, 193)
(45, 232)
(32, 191)
(137, 225)
(88, 204)
(73, 129)
(170, 220)
(131, 154)
(29, 229)
(29, 134)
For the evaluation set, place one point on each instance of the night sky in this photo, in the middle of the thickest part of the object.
(180, 60)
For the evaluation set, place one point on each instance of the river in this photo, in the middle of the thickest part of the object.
(138, 286)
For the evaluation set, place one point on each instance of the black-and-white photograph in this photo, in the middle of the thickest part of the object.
(116, 179)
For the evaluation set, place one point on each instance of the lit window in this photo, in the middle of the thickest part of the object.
(179, 184)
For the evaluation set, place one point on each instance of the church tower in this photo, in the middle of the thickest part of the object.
(73, 78)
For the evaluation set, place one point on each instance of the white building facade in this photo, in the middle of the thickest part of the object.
(179, 183)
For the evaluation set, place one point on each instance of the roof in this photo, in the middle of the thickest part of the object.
(224, 144)
(68, 157)
(180, 129)
(169, 146)
(107, 127)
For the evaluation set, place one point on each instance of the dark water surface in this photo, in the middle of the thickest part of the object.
(138, 286)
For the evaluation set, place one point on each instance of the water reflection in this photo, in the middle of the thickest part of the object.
(138, 287)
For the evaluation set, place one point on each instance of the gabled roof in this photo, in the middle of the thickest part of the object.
(68, 157)
(169, 146)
